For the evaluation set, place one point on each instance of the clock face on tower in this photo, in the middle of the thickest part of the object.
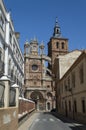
(34, 67)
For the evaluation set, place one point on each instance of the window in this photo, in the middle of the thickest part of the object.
(35, 82)
(65, 85)
(57, 44)
(10, 37)
(75, 106)
(62, 105)
(14, 47)
(57, 30)
(83, 106)
(2, 23)
(62, 45)
(69, 105)
(62, 87)
(81, 74)
(73, 79)
(48, 86)
(9, 67)
(0, 55)
(69, 82)
(34, 67)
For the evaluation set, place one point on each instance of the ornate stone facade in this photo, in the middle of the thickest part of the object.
(37, 81)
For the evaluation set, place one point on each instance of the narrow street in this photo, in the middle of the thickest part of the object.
(47, 121)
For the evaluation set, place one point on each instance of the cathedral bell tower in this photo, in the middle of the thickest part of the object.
(57, 45)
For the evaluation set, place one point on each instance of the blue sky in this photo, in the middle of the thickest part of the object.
(36, 18)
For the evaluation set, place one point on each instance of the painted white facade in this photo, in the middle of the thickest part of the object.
(11, 57)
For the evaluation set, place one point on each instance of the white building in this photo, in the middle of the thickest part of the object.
(11, 57)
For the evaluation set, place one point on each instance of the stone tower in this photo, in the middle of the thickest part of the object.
(57, 45)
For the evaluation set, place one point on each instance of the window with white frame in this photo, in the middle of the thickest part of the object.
(2, 20)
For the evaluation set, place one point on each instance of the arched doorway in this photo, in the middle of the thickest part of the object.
(48, 106)
(37, 96)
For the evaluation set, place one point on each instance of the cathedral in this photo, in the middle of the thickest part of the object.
(39, 80)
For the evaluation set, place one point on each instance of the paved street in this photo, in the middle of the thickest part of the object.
(47, 121)
(50, 121)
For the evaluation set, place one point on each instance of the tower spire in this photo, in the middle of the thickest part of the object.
(57, 32)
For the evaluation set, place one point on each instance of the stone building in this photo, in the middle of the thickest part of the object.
(37, 77)
(71, 90)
